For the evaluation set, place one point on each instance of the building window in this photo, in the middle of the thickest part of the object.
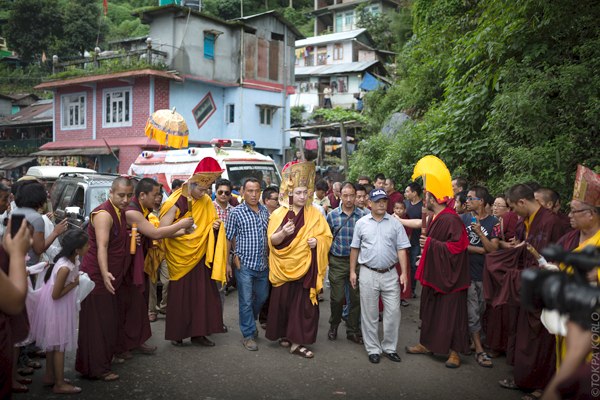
(117, 106)
(73, 111)
(209, 45)
(309, 56)
(373, 9)
(338, 51)
(230, 113)
(339, 84)
(322, 55)
(266, 115)
(344, 21)
(204, 110)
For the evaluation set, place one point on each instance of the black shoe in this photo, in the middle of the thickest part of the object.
(404, 303)
(353, 337)
(393, 357)
(374, 358)
(203, 341)
(332, 334)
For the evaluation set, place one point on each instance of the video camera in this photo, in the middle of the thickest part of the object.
(556, 290)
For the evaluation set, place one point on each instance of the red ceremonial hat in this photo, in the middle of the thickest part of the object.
(208, 164)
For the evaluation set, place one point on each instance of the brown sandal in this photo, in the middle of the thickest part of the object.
(302, 352)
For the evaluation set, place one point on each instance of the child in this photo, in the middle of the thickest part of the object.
(400, 213)
(55, 322)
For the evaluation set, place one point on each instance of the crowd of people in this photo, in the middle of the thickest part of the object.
(459, 249)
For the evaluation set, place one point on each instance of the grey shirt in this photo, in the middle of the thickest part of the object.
(379, 241)
(36, 220)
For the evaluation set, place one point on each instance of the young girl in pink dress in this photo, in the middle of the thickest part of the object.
(54, 325)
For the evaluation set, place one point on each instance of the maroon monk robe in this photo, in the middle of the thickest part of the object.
(132, 297)
(291, 313)
(194, 308)
(497, 320)
(6, 342)
(98, 318)
(534, 347)
(444, 274)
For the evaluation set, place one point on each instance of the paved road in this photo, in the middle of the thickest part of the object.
(340, 370)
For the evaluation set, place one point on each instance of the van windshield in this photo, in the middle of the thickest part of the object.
(266, 174)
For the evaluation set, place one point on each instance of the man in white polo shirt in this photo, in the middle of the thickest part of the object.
(379, 242)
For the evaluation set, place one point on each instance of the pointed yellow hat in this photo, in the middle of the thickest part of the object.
(436, 177)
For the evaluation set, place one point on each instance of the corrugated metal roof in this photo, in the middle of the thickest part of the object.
(332, 37)
(333, 69)
(39, 112)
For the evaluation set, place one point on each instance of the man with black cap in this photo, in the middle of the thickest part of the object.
(379, 242)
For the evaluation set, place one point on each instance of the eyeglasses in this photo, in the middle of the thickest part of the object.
(225, 192)
(473, 198)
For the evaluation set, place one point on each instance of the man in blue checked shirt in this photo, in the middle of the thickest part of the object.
(247, 226)
(341, 221)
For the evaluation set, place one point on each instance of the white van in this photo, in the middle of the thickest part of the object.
(50, 173)
(237, 158)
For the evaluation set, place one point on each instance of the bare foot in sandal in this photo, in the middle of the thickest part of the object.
(283, 342)
(301, 351)
(108, 377)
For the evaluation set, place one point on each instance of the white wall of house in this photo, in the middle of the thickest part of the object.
(307, 92)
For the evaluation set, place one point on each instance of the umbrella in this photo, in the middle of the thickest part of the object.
(436, 177)
(168, 128)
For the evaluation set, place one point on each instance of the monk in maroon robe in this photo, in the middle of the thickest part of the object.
(534, 355)
(105, 264)
(132, 297)
(444, 275)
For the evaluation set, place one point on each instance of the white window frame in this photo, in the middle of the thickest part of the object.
(344, 16)
(66, 102)
(118, 124)
(230, 113)
(373, 9)
(265, 116)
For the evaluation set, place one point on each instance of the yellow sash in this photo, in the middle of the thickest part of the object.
(184, 252)
(292, 262)
(561, 343)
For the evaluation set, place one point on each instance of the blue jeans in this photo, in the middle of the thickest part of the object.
(253, 290)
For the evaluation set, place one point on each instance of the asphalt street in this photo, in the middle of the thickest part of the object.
(339, 370)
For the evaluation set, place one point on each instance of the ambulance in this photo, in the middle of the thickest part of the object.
(237, 157)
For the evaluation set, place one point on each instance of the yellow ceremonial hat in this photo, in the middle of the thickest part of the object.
(296, 174)
(587, 186)
(436, 178)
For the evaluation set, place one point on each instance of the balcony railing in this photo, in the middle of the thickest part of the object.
(115, 60)
(18, 147)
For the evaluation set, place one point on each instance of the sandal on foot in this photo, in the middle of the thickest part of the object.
(177, 343)
(484, 360)
(108, 377)
(152, 317)
(34, 364)
(25, 371)
(417, 349)
(302, 352)
(284, 343)
(453, 360)
(508, 384)
(24, 381)
(51, 383)
(20, 389)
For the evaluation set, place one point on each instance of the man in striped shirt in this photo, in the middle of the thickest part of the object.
(247, 226)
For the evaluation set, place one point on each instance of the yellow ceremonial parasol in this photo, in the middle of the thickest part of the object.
(168, 128)
(436, 177)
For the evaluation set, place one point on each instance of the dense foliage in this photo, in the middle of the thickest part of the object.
(502, 91)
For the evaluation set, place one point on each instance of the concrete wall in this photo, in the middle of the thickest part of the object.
(183, 40)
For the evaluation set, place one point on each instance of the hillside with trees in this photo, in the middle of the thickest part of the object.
(502, 91)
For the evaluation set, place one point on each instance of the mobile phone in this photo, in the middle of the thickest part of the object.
(16, 220)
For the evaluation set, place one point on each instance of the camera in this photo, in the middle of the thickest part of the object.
(557, 290)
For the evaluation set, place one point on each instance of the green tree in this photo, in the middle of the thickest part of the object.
(83, 27)
(33, 27)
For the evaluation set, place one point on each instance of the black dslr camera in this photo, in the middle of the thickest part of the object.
(555, 290)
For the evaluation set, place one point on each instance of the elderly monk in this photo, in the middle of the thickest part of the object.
(299, 242)
(195, 260)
